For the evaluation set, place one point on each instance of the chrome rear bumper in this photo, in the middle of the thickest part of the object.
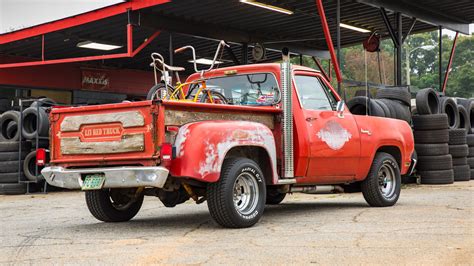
(115, 177)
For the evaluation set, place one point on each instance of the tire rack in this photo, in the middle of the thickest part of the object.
(36, 146)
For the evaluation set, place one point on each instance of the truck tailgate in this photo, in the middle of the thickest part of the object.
(123, 133)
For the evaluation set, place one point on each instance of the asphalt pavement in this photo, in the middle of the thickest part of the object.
(429, 225)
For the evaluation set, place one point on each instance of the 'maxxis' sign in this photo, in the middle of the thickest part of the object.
(95, 80)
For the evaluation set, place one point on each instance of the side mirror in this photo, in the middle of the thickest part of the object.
(340, 107)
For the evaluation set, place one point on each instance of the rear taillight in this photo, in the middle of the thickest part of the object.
(166, 153)
(40, 157)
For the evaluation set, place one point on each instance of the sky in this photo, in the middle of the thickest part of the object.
(15, 14)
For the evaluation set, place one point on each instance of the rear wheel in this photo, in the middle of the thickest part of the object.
(114, 205)
(237, 200)
(382, 186)
(160, 92)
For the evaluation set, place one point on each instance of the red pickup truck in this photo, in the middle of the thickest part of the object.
(237, 156)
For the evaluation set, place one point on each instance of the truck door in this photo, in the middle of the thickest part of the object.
(334, 141)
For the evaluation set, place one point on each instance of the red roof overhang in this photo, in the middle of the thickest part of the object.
(78, 20)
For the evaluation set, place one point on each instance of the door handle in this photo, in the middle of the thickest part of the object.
(364, 131)
(309, 119)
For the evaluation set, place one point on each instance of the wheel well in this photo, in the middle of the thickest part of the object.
(258, 155)
(394, 151)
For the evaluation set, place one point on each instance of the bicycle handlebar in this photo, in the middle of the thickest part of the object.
(221, 44)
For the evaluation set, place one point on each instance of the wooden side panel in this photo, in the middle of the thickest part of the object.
(128, 143)
(181, 117)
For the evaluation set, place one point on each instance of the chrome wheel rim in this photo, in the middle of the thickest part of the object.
(246, 194)
(387, 181)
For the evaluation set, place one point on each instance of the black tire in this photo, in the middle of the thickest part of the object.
(371, 186)
(470, 162)
(390, 106)
(427, 102)
(431, 149)
(12, 189)
(217, 98)
(469, 105)
(472, 174)
(8, 178)
(29, 168)
(437, 177)
(5, 119)
(221, 193)
(9, 166)
(384, 107)
(8, 146)
(375, 109)
(430, 163)
(12, 131)
(464, 121)
(401, 94)
(471, 150)
(358, 105)
(103, 207)
(35, 121)
(449, 107)
(460, 150)
(431, 136)
(11, 156)
(457, 136)
(462, 172)
(158, 88)
(459, 161)
(403, 112)
(430, 122)
(44, 102)
(470, 139)
(274, 197)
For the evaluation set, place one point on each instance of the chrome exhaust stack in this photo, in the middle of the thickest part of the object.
(287, 120)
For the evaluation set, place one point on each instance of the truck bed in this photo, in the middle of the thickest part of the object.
(132, 133)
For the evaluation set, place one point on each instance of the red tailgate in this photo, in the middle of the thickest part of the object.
(109, 134)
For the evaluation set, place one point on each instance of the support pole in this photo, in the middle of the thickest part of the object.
(338, 41)
(440, 58)
(171, 53)
(451, 56)
(129, 39)
(399, 48)
(327, 35)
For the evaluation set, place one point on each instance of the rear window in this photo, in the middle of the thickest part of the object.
(249, 89)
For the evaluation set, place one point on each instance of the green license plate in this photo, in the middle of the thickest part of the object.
(93, 182)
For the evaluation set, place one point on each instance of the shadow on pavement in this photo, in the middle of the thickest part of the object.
(202, 218)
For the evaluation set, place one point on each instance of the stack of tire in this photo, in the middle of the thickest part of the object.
(466, 121)
(390, 102)
(431, 132)
(18, 153)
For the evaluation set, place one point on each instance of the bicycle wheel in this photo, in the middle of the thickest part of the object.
(159, 91)
(217, 98)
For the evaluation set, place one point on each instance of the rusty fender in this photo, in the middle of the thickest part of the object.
(201, 147)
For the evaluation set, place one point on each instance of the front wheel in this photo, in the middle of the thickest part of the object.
(382, 186)
(114, 205)
(237, 200)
